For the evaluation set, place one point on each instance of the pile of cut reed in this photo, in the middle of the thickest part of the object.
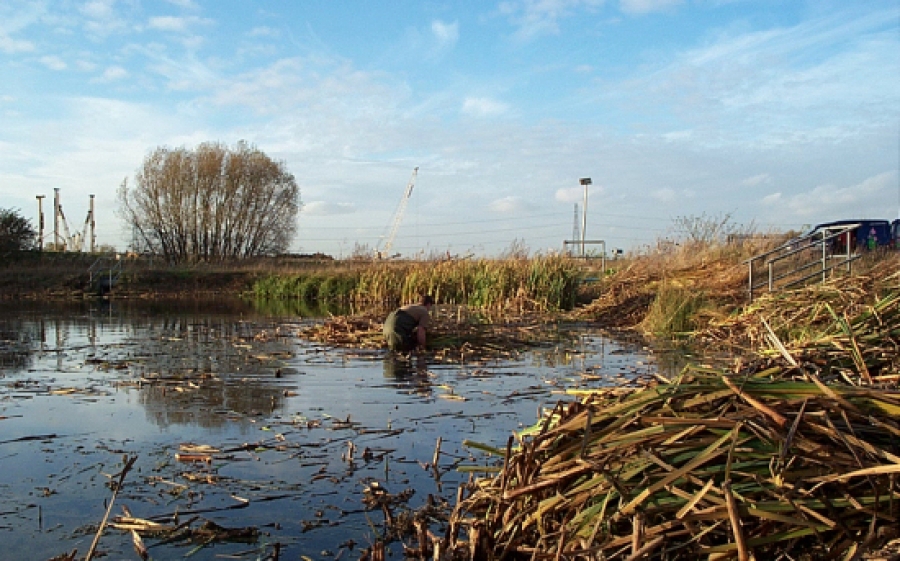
(456, 333)
(795, 455)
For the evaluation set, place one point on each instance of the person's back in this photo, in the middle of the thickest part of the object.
(405, 328)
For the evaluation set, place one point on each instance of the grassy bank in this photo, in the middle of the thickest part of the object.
(790, 452)
(679, 292)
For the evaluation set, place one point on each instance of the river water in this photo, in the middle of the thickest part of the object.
(238, 422)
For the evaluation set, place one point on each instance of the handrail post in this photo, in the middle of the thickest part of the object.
(849, 261)
(750, 274)
(771, 275)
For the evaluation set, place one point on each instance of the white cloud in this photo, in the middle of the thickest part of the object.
(867, 199)
(167, 23)
(10, 46)
(186, 74)
(446, 33)
(325, 208)
(263, 32)
(777, 86)
(101, 17)
(507, 205)
(678, 136)
(647, 6)
(772, 199)
(114, 73)
(483, 107)
(175, 24)
(576, 194)
(763, 178)
(664, 195)
(53, 62)
(85, 65)
(534, 18)
(98, 9)
(187, 4)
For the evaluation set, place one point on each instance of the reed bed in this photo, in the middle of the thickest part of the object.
(668, 297)
(794, 454)
(812, 315)
(543, 283)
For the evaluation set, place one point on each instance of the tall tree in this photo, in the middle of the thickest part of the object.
(212, 203)
(16, 232)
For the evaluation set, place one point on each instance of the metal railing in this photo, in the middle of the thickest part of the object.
(105, 271)
(801, 259)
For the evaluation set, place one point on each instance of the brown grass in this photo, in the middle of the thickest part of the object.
(791, 453)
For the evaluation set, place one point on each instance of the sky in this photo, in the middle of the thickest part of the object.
(777, 114)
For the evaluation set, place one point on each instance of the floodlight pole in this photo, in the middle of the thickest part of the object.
(585, 181)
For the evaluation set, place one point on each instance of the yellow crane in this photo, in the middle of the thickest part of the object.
(385, 250)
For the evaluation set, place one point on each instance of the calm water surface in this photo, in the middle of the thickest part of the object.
(299, 429)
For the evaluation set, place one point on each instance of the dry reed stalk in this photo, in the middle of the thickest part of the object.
(710, 463)
(129, 462)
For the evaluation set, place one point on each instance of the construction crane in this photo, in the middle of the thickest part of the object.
(68, 241)
(384, 251)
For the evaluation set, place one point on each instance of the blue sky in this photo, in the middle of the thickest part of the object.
(779, 113)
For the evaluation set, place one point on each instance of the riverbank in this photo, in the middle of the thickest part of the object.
(677, 295)
(792, 446)
(792, 452)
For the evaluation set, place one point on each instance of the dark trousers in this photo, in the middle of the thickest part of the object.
(400, 331)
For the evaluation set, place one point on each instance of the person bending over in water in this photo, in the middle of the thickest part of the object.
(405, 328)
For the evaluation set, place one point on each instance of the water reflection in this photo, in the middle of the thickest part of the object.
(402, 367)
(299, 307)
(192, 362)
(15, 344)
(145, 379)
(409, 374)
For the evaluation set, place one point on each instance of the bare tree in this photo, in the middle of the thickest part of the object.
(212, 203)
(708, 229)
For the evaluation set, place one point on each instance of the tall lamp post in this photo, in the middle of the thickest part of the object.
(585, 181)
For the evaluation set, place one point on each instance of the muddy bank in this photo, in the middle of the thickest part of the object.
(71, 280)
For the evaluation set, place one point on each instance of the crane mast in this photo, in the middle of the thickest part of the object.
(67, 241)
(398, 216)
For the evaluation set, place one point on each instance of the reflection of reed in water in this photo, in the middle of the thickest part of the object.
(15, 345)
(204, 370)
(299, 307)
